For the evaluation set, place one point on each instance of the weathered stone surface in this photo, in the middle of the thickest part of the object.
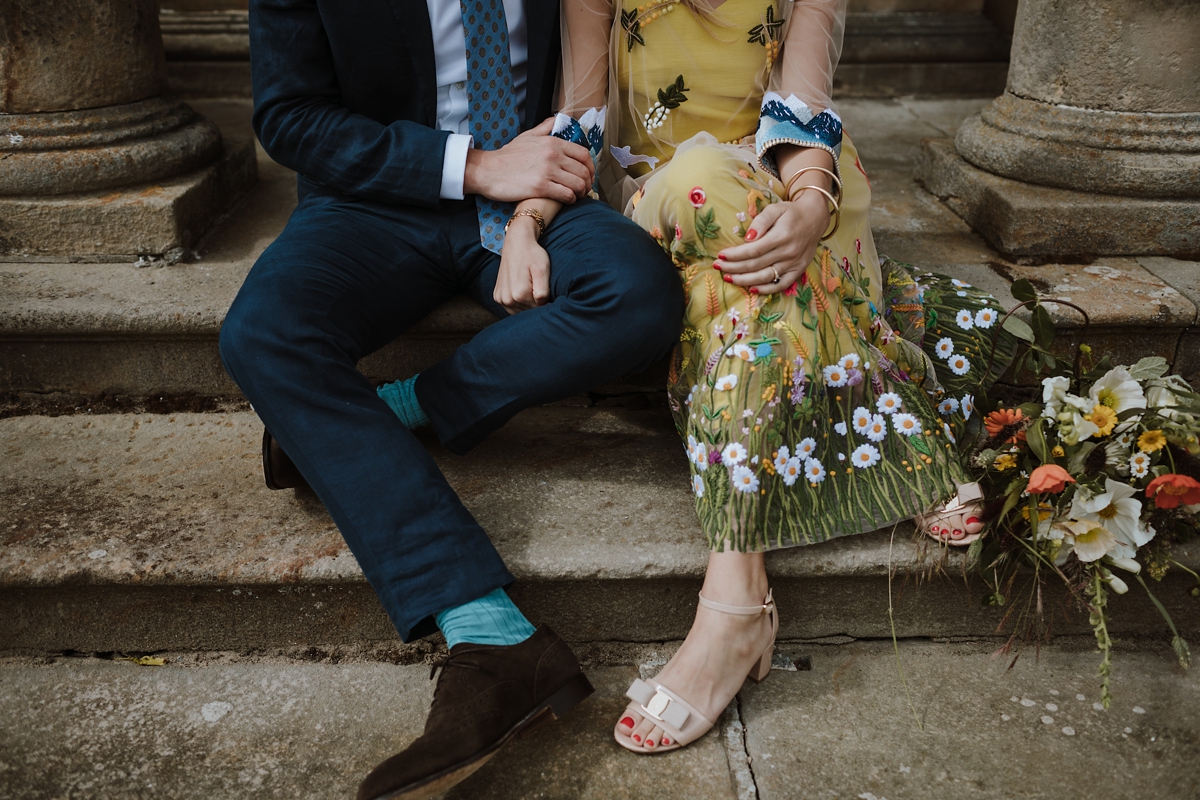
(146, 219)
(893, 37)
(63, 55)
(91, 728)
(1026, 220)
(1185, 277)
(148, 532)
(845, 728)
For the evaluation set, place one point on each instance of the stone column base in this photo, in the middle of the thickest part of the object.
(123, 224)
(1023, 219)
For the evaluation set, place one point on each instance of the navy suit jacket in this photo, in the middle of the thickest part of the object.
(345, 91)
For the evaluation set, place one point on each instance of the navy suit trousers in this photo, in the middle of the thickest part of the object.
(349, 275)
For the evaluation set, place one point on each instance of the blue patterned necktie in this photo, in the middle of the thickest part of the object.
(490, 97)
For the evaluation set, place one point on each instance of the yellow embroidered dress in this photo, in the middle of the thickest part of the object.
(833, 407)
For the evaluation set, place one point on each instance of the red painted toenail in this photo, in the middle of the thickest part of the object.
(627, 722)
(649, 743)
(637, 738)
(972, 520)
(666, 741)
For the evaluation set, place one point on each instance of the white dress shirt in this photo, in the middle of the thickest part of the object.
(450, 59)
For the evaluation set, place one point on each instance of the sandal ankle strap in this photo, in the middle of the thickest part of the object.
(768, 605)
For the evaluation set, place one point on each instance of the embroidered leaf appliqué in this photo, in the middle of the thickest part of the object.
(673, 95)
(706, 227)
(632, 29)
(767, 31)
(713, 305)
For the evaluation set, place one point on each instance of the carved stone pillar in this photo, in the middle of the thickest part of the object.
(1094, 148)
(95, 160)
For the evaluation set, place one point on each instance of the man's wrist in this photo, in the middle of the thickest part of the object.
(473, 172)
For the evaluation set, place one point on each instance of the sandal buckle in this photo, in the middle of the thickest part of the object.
(657, 705)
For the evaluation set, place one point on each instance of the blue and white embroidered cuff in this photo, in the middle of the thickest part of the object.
(791, 121)
(587, 131)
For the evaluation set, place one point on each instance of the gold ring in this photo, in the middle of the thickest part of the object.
(776, 275)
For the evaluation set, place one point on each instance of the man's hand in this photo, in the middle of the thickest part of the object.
(524, 279)
(535, 164)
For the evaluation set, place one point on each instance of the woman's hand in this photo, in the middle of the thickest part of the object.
(524, 279)
(782, 239)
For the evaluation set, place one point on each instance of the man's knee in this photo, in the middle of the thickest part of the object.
(645, 292)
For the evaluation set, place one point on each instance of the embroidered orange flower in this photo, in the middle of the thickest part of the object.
(1049, 479)
(1000, 419)
(697, 197)
(1169, 491)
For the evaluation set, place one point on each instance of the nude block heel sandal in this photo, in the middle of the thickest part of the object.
(682, 722)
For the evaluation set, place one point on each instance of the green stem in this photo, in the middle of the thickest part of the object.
(895, 641)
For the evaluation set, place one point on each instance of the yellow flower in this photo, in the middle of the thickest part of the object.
(1045, 511)
(769, 393)
(1103, 418)
(1058, 451)
(1005, 462)
(1151, 441)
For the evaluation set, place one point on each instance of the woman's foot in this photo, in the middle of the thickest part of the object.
(719, 650)
(958, 521)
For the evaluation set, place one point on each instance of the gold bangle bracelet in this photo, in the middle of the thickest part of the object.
(787, 189)
(836, 213)
(529, 212)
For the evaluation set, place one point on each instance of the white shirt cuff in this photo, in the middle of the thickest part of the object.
(454, 165)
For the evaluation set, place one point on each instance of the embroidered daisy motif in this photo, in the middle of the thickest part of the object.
(806, 448)
(701, 457)
(733, 454)
(968, 405)
(814, 472)
(744, 480)
(835, 375)
(698, 485)
(840, 428)
(985, 318)
(726, 383)
(906, 424)
(944, 347)
(1139, 465)
(849, 361)
(841, 456)
(959, 365)
(947, 406)
(959, 284)
(791, 471)
(740, 351)
(865, 456)
(965, 320)
(961, 293)
(946, 429)
(781, 458)
(861, 420)
(877, 430)
(888, 403)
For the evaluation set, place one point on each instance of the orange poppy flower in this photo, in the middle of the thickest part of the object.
(1001, 418)
(1049, 479)
(1170, 491)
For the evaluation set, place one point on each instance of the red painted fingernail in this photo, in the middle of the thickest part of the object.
(637, 738)
(716, 265)
(751, 235)
(627, 721)
(753, 290)
(728, 278)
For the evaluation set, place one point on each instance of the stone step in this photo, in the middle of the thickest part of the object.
(218, 725)
(71, 333)
(142, 532)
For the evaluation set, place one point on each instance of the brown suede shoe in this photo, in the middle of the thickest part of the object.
(278, 469)
(486, 695)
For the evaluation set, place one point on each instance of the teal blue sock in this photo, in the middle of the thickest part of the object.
(492, 619)
(401, 397)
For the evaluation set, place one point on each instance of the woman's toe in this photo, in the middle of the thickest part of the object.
(629, 720)
(641, 731)
(654, 738)
(972, 523)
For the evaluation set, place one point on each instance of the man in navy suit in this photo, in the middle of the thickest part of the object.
(412, 125)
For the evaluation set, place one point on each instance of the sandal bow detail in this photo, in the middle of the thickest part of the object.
(948, 522)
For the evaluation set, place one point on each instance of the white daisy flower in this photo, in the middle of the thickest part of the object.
(754, 460)
(814, 472)
(849, 361)
(959, 284)
(1125, 440)
(865, 456)
(698, 485)
(701, 457)
(906, 424)
(946, 429)
(1139, 465)
(968, 405)
(835, 375)
(781, 458)
(877, 430)
(944, 347)
(947, 406)
(791, 471)
(985, 318)
(888, 403)
(961, 293)
(861, 420)
(965, 320)
(726, 383)
(741, 351)
(840, 428)
(744, 480)
(806, 447)
(959, 365)
(733, 454)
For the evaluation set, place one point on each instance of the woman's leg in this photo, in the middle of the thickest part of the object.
(720, 649)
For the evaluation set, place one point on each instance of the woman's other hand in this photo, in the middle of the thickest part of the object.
(781, 243)
(524, 279)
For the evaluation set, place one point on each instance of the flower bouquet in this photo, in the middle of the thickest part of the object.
(1095, 482)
